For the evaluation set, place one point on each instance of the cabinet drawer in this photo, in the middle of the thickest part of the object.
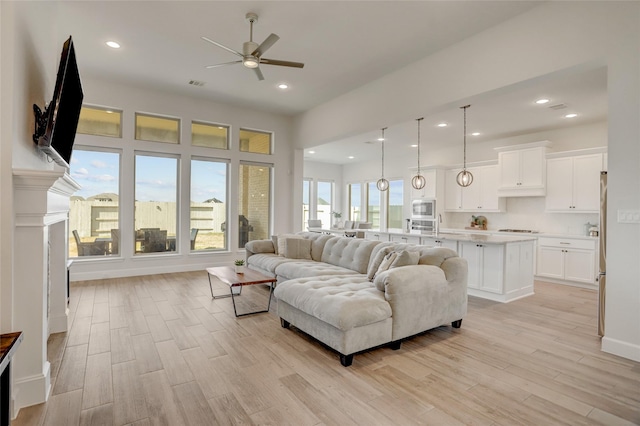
(567, 243)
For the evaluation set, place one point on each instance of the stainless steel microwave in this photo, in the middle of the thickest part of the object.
(423, 208)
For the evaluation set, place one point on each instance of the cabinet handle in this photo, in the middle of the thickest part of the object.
(404, 238)
(479, 245)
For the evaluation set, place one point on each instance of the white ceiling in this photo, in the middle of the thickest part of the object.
(344, 45)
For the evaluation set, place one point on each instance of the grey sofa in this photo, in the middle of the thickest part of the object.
(336, 294)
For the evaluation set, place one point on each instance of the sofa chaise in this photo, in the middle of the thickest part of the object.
(355, 294)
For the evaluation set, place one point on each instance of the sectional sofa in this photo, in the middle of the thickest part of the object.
(354, 294)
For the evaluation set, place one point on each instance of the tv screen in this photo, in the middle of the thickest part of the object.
(56, 127)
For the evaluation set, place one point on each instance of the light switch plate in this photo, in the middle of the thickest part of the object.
(628, 216)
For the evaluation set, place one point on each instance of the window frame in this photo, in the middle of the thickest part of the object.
(212, 124)
(266, 132)
(159, 116)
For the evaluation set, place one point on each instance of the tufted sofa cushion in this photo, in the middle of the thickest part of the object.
(344, 302)
(300, 269)
(268, 261)
(352, 253)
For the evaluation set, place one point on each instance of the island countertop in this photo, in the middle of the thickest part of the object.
(473, 237)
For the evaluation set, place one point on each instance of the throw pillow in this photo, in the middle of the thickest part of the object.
(281, 239)
(405, 258)
(377, 260)
(297, 248)
(386, 263)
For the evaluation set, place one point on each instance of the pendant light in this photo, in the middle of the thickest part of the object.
(465, 178)
(418, 181)
(382, 183)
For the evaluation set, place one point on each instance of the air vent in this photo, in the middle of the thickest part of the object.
(558, 106)
(197, 83)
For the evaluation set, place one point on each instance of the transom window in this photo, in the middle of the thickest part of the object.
(209, 135)
(157, 129)
(100, 121)
(255, 141)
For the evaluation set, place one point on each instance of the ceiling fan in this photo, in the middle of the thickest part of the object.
(252, 52)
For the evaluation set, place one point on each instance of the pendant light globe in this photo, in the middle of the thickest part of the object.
(382, 184)
(464, 178)
(418, 181)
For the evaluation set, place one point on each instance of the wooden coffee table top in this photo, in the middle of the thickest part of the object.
(227, 275)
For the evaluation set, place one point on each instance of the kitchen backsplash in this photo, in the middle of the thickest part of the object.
(527, 213)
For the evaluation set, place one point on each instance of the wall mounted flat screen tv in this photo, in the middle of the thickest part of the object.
(55, 128)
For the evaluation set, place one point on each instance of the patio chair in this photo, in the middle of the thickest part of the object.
(155, 240)
(93, 248)
(194, 234)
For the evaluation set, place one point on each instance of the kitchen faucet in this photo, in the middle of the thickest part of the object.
(437, 222)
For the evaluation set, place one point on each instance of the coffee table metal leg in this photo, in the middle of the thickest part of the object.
(254, 312)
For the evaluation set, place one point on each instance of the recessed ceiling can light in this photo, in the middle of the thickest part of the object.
(475, 134)
(351, 157)
(414, 146)
(283, 86)
(571, 115)
(113, 44)
(442, 124)
(542, 101)
(312, 152)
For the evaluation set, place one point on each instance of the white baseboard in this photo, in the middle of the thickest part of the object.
(620, 348)
(58, 324)
(28, 391)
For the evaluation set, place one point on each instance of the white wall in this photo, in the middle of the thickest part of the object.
(551, 37)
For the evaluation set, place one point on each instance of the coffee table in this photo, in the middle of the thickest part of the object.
(228, 275)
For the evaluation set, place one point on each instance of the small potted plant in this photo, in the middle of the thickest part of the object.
(239, 264)
(336, 217)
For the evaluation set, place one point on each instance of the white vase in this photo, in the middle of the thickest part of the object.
(239, 269)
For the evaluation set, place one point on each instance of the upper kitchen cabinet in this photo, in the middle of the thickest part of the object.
(480, 196)
(573, 184)
(522, 170)
(430, 188)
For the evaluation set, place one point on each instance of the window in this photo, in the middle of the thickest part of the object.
(100, 121)
(157, 129)
(306, 194)
(254, 203)
(255, 141)
(209, 135)
(355, 201)
(155, 203)
(208, 204)
(373, 205)
(324, 205)
(395, 202)
(94, 224)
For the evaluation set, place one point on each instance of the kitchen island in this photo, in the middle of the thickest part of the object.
(501, 267)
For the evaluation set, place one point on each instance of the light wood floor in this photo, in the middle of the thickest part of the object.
(158, 350)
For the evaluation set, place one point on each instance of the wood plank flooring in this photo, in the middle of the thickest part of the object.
(158, 350)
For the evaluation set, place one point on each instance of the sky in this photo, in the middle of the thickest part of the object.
(156, 177)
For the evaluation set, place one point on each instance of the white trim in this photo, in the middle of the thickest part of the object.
(620, 348)
(547, 144)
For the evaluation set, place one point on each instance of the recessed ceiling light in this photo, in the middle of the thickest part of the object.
(351, 157)
(475, 134)
(442, 125)
(542, 101)
(571, 115)
(312, 152)
(113, 44)
(381, 139)
(414, 145)
(283, 86)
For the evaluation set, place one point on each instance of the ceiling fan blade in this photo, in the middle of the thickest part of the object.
(281, 63)
(222, 65)
(266, 44)
(259, 73)
(222, 46)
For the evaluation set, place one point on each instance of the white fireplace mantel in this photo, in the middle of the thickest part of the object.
(41, 207)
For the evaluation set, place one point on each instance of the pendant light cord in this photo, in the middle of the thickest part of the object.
(419, 120)
(464, 138)
(383, 151)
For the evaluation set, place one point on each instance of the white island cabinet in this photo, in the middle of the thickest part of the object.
(499, 271)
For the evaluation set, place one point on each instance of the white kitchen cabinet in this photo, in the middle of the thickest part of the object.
(522, 172)
(407, 239)
(452, 191)
(567, 259)
(376, 236)
(480, 196)
(501, 272)
(573, 184)
(439, 242)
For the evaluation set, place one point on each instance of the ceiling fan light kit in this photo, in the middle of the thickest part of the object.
(464, 178)
(251, 56)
